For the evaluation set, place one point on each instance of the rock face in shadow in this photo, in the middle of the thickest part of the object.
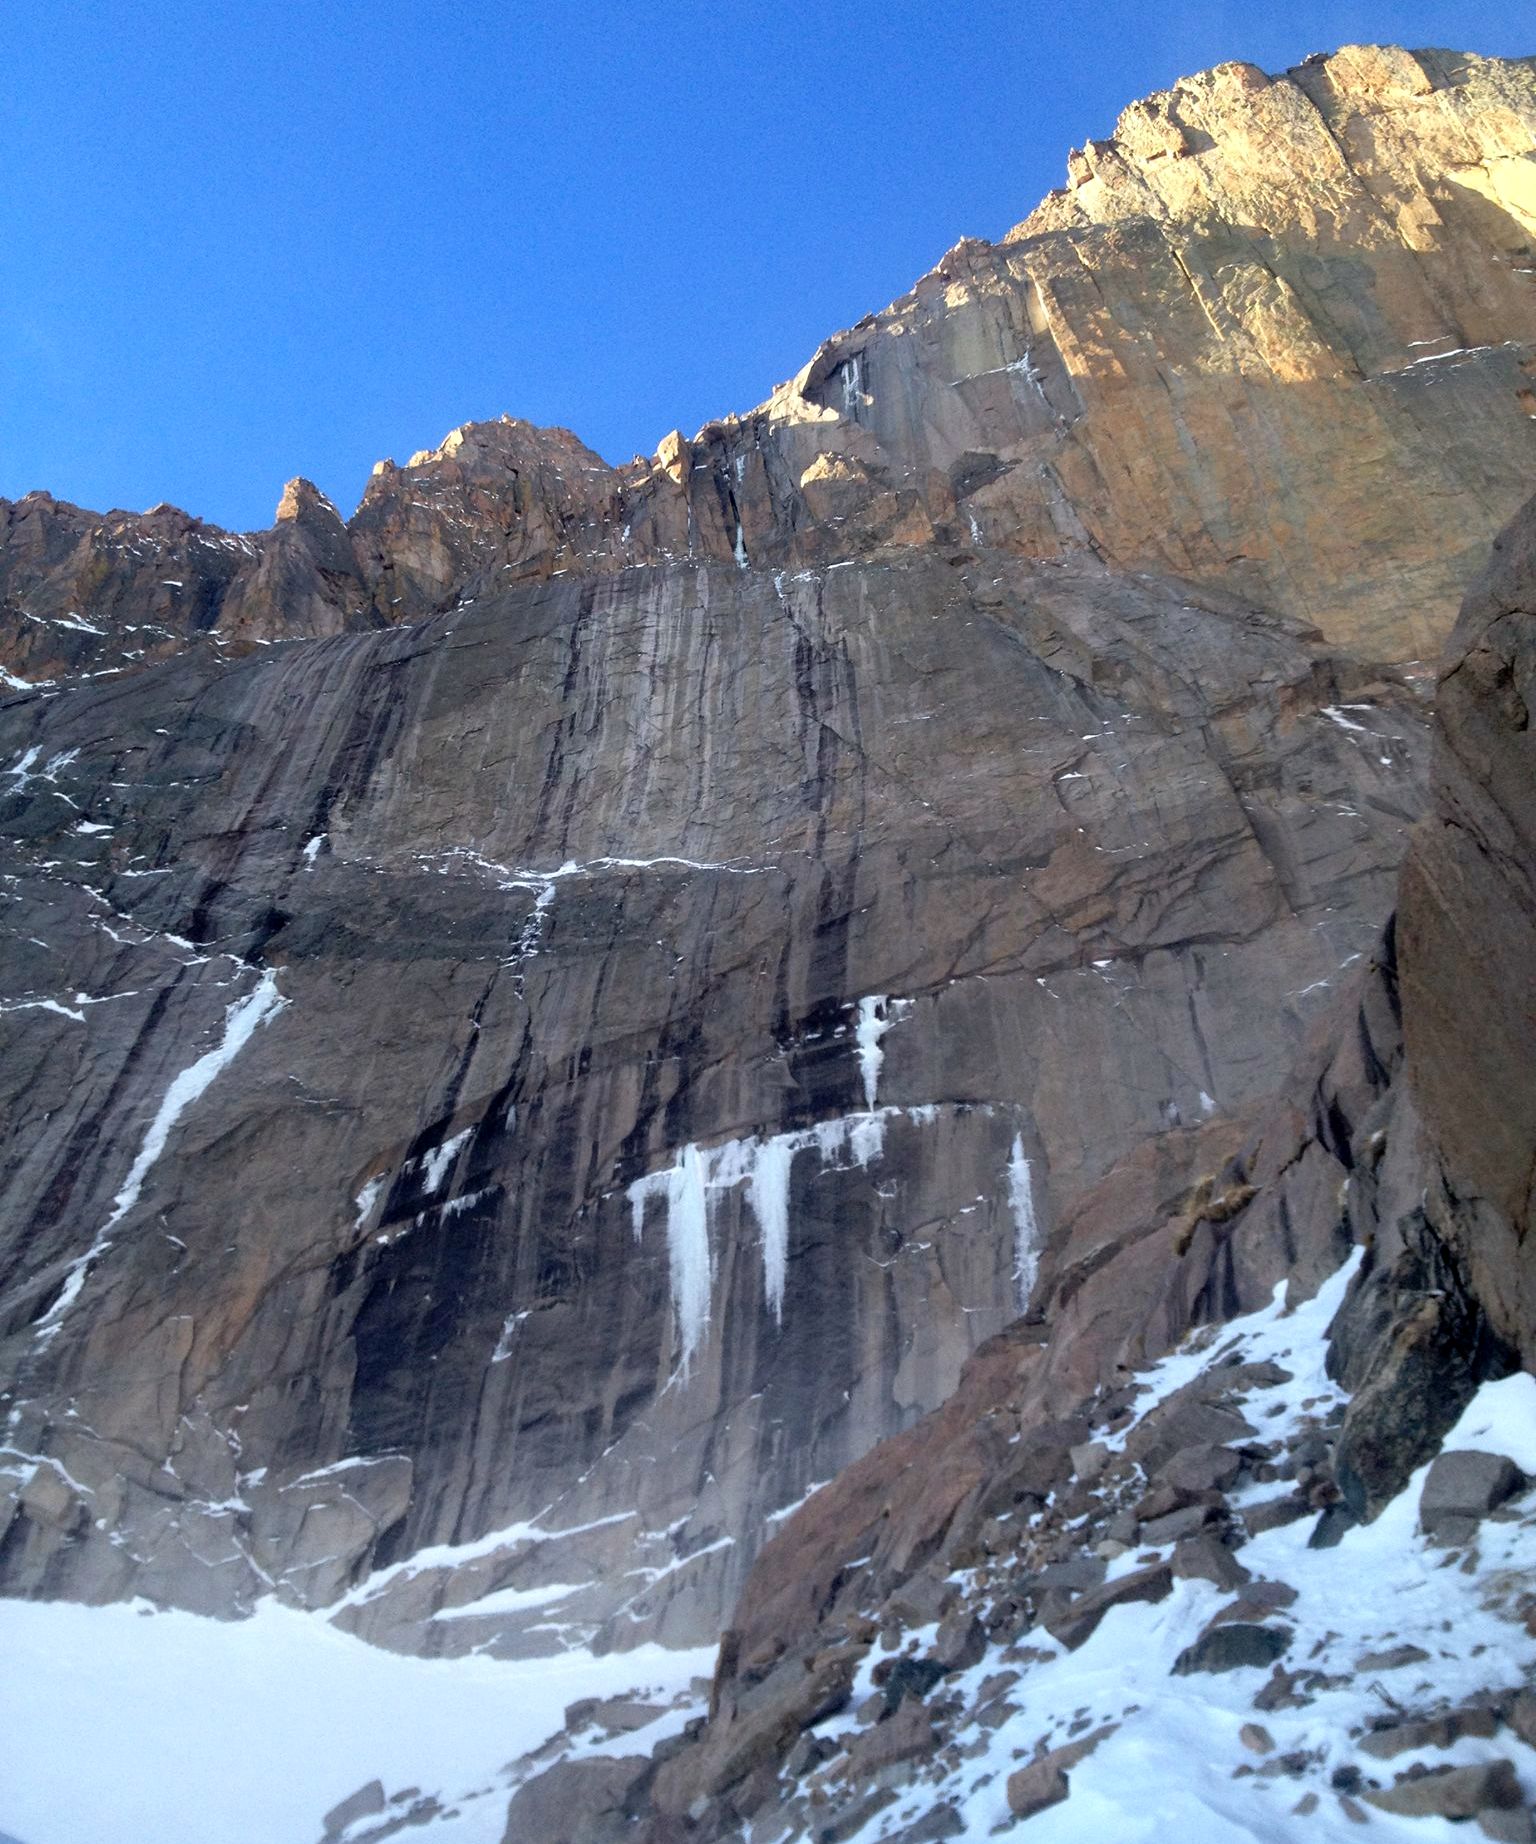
(1277, 335)
(648, 971)
(1468, 925)
(607, 1056)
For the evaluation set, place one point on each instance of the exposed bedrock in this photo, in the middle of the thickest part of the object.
(1401, 1139)
(1277, 334)
(606, 1056)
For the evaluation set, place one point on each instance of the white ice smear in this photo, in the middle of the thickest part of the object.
(509, 1327)
(24, 771)
(240, 1021)
(510, 1537)
(12, 683)
(366, 1199)
(1026, 1232)
(512, 1600)
(1335, 715)
(44, 1005)
(435, 1163)
(120, 1723)
(853, 385)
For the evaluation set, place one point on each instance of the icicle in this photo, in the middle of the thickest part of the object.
(764, 1166)
(853, 385)
(684, 1188)
(741, 547)
(768, 1195)
(1021, 1200)
(688, 1249)
(873, 1025)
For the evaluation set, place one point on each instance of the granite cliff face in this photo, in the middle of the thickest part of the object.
(603, 1054)
(1384, 1190)
(545, 1020)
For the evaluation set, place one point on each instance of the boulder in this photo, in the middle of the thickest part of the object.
(1075, 1575)
(1184, 1421)
(1043, 1781)
(1429, 1732)
(961, 1642)
(1272, 1513)
(1452, 1792)
(932, 1828)
(907, 1735)
(1033, 1788)
(1177, 1524)
(1077, 1623)
(923, 1597)
(1394, 1658)
(853, 1818)
(1088, 1460)
(913, 1678)
(1202, 1469)
(366, 1802)
(1466, 1484)
(1232, 1647)
(613, 1715)
(576, 1802)
(1206, 1558)
(1508, 1824)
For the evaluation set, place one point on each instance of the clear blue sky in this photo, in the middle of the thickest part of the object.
(241, 240)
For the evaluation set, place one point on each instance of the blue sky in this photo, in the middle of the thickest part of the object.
(245, 241)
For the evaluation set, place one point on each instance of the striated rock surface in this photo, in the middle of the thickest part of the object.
(1045, 1495)
(605, 1057)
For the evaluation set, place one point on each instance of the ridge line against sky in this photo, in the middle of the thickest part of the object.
(245, 243)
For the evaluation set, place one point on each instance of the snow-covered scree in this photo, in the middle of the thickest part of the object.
(1159, 1650)
(120, 1722)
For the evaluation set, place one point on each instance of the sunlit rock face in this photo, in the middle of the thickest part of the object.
(1277, 334)
(581, 1034)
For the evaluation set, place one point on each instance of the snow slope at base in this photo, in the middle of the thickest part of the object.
(119, 1722)
(1176, 1766)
